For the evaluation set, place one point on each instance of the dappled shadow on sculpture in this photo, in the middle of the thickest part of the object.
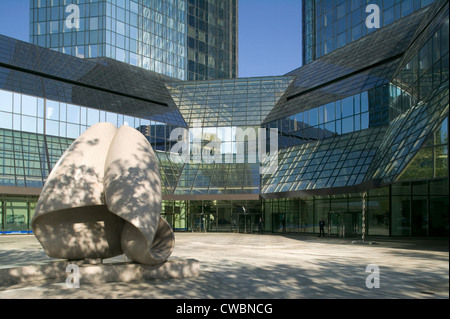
(103, 199)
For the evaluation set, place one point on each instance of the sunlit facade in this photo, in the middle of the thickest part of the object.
(332, 24)
(361, 134)
(183, 39)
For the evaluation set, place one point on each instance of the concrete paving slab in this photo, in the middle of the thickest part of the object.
(268, 266)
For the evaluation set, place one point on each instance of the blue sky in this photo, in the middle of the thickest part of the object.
(269, 37)
(269, 33)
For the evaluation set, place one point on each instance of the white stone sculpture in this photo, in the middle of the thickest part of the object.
(103, 199)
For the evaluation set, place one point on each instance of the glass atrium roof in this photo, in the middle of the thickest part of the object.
(358, 66)
(101, 83)
(229, 102)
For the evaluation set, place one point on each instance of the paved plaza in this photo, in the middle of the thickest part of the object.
(267, 266)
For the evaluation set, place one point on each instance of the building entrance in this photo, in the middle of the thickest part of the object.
(203, 217)
(223, 216)
(203, 222)
(245, 222)
(344, 223)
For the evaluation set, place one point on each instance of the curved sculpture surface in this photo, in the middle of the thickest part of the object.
(103, 199)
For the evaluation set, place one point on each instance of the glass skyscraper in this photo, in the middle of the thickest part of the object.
(195, 39)
(331, 24)
(361, 131)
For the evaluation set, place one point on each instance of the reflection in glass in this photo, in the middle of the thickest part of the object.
(419, 215)
(16, 214)
(365, 120)
(62, 129)
(441, 161)
(438, 215)
(73, 113)
(347, 106)
(330, 127)
(357, 122)
(62, 112)
(52, 128)
(6, 120)
(111, 118)
(329, 112)
(347, 125)
(29, 105)
(313, 117)
(93, 116)
(52, 111)
(401, 221)
(364, 102)
(29, 124)
(73, 130)
(5, 101)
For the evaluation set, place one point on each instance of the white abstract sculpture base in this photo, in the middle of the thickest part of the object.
(103, 199)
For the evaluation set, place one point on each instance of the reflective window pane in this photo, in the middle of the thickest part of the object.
(52, 111)
(330, 114)
(29, 124)
(111, 118)
(6, 120)
(29, 105)
(73, 113)
(73, 130)
(364, 102)
(5, 101)
(347, 125)
(347, 106)
(62, 111)
(93, 116)
(365, 120)
(313, 117)
(52, 128)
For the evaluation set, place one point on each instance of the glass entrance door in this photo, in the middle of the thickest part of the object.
(245, 223)
(344, 224)
(335, 222)
(224, 217)
(279, 222)
(15, 216)
(211, 221)
(196, 220)
(419, 216)
(204, 222)
(350, 224)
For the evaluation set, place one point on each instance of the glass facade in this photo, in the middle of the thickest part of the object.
(230, 102)
(212, 39)
(403, 209)
(26, 159)
(362, 131)
(213, 215)
(27, 154)
(431, 160)
(402, 141)
(52, 27)
(331, 24)
(178, 38)
(351, 114)
(422, 105)
(332, 162)
(16, 214)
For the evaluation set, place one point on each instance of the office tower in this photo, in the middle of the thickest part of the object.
(194, 39)
(212, 39)
(331, 24)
